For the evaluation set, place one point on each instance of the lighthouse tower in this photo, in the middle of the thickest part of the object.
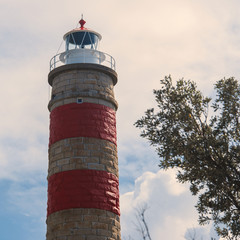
(83, 194)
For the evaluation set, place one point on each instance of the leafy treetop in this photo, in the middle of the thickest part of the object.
(206, 152)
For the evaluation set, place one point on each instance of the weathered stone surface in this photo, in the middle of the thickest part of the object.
(83, 153)
(83, 224)
(92, 86)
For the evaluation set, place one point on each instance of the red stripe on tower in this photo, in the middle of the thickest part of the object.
(83, 189)
(82, 120)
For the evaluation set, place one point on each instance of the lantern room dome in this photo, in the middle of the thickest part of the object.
(78, 33)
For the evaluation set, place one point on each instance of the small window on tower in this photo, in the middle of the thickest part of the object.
(79, 100)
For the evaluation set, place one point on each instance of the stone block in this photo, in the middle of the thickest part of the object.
(68, 154)
(103, 232)
(77, 160)
(68, 167)
(96, 166)
(73, 218)
(99, 225)
(77, 237)
(92, 146)
(56, 157)
(80, 152)
(98, 212)
(63, 162)
(105, 219)
(92, 160)
(90, 81)
(90, 218)
(94, 237)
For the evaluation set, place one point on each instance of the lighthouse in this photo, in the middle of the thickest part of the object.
(83, 193)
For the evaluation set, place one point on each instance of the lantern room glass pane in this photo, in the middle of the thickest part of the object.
(81, 40)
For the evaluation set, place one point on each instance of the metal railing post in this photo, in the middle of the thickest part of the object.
(55, 61)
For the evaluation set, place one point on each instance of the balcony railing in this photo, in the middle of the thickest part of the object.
(82, 56)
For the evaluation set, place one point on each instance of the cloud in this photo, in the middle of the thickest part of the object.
(30, 196)
(24, 120)
(198, 40)
(170, 206)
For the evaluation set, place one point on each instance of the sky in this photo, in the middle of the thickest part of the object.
(197, 40)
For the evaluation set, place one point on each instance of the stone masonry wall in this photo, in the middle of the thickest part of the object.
(83, 194)
(92, 86)
(83, 224)
(83, 153)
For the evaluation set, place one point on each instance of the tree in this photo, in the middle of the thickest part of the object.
(205, 150)
(192, 234)
(141, 224)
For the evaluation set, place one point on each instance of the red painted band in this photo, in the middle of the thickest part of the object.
(82, 120)
(83, 189)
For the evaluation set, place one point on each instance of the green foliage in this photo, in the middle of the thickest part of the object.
(206, 152)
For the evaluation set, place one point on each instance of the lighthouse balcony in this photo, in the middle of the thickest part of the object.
(82, 56)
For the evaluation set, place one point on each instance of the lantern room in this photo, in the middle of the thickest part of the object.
(82, 37)
(81, 46)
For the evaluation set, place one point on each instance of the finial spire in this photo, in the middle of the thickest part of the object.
(82, 22)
